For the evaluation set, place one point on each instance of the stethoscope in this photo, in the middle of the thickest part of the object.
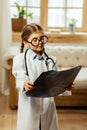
(46, 61)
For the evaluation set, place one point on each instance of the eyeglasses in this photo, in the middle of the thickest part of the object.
(41, 40)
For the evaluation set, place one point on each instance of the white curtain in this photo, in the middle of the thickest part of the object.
(5, 39)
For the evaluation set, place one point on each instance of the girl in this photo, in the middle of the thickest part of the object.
(33, 113)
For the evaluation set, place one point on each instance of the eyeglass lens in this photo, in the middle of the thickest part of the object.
(42, 39)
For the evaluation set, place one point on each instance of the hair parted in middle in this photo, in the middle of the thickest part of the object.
(27, 31)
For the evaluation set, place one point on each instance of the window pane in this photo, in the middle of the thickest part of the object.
(14, 12)
(56, 3)
(74, 3)
(34, 3)
(20, 2)
(30, 4)
(75, 13)
(56, 18)
(36, 15)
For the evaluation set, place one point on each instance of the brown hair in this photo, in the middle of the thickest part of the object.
(27, 31)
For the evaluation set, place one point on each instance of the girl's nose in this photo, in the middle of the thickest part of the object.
(40, 42)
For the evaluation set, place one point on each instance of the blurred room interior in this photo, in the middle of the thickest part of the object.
(65, 24)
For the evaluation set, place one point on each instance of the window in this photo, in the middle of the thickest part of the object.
(30, 6)
(55, 13)
(64, 10)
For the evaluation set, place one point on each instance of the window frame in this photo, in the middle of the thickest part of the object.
(44, 15)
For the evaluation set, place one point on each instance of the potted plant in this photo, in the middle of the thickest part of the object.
(72, 25)
(20, 19)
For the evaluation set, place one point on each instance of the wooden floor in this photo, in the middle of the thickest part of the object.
(69, 119)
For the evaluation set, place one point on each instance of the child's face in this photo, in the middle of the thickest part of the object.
(36, 41)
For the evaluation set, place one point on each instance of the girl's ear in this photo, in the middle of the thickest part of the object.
(26, 44)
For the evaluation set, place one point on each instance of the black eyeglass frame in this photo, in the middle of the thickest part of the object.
(39, 40)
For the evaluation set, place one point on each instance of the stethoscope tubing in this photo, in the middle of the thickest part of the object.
(46, 61)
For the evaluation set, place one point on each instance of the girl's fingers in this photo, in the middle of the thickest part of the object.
(28, 82)
(71, 86)
(28, 88)
(28, 85)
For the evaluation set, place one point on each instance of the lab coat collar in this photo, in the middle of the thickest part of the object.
(34, 55)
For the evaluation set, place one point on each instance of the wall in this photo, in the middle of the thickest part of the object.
(5, 35)
(0, 66)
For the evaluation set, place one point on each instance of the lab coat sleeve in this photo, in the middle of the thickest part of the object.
(66, 93)
(18, 70)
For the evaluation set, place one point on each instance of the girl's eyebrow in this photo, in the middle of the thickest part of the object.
(37, 37)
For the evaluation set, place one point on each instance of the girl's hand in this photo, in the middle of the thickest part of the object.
(71, 87)
(28, 85)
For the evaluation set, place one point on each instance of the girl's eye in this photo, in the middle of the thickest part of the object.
(35, 40)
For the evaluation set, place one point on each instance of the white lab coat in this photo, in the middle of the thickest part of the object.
(30, 109)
